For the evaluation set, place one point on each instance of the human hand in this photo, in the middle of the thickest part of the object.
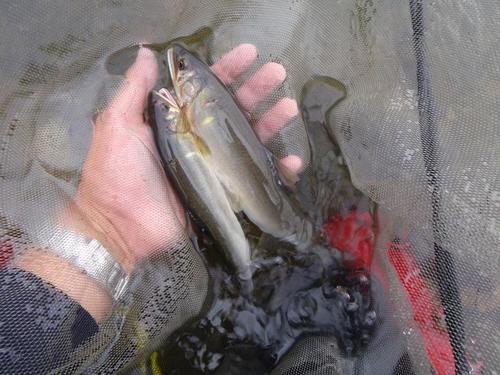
(124, 198)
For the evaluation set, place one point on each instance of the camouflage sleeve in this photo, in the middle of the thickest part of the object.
(35, 319)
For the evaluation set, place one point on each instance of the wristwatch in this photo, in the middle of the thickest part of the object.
(90, 256)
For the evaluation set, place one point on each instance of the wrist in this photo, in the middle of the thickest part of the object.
(90, 223)
(130, 237)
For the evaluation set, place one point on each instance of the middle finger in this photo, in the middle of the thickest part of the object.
(257, 87)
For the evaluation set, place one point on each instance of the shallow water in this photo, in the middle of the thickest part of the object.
(295, 293)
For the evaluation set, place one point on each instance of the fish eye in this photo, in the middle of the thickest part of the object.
(181, 64)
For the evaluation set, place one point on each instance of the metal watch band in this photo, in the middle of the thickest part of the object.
(90, 256)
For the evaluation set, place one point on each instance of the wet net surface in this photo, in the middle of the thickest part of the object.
(417, 131)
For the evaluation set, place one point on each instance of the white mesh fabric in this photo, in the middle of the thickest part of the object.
(53, 79)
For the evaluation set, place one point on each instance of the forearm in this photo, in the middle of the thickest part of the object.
(68, 279)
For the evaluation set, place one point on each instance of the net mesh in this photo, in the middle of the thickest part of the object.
(417, 131)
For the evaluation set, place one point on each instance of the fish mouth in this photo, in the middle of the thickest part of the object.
(167, 98)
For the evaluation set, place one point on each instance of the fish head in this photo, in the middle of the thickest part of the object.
(187, 73)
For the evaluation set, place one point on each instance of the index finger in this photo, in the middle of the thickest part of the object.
(235, 62)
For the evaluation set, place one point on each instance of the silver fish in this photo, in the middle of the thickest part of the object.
(218, 161)
(200, 186)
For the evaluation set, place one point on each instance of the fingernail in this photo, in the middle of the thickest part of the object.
(279, 71)
(293, 163)
(144, 53)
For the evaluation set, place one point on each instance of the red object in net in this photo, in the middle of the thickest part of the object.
(6, 251)
(353, 235)
(427, 311)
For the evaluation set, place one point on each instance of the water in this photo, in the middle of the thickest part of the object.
(295, 293)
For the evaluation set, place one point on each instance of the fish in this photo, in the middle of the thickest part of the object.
(219, 163)
(201, 188)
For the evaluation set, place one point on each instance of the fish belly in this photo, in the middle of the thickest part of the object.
(208, 199)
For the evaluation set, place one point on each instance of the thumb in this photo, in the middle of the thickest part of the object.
(129, 103)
